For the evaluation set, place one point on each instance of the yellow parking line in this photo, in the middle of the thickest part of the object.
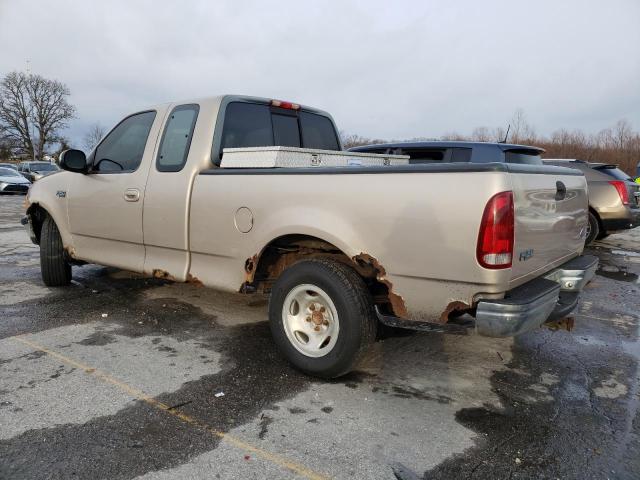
(140, 395)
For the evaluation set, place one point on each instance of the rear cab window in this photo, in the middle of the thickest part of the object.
(260, 125)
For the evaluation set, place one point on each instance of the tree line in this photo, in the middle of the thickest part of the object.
(618, 144)
(34, 110)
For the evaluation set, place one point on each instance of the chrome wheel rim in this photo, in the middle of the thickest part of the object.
(310, 320)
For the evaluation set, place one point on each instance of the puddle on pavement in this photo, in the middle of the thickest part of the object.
(535, 437)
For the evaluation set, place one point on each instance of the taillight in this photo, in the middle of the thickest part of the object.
(621, 187)
(495, 240)
(287, 105)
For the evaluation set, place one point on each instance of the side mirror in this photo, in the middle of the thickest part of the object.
(73, 161)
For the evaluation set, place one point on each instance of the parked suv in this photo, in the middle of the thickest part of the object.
(457, 151)
(614, 197)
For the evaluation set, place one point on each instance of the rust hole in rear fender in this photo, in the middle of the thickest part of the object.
(369, 266)
(453, 308)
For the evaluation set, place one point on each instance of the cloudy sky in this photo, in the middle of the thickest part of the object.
(396, 69)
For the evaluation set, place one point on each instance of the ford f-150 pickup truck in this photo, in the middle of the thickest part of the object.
(252, 195)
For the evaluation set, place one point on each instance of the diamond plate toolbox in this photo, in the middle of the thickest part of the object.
(292, 157)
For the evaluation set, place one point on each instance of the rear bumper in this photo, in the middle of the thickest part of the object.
(632, 220)
(528, 306)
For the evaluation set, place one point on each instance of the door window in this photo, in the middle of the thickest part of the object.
(176, 140)
(122, 149)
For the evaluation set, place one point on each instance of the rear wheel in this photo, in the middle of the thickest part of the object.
(322, 317)
(593, 229)
(56, 271)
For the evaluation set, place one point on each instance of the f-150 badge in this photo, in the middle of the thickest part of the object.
(525, 255)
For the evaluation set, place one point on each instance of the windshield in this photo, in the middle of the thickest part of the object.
(615, 172)
(43, 167)
(8, 172)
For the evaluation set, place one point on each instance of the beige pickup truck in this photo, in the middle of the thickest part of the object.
(338, 247)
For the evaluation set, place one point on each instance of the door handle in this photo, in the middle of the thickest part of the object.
(132, 194)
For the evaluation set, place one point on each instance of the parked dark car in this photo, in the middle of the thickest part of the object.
(614, 197)
(33, 171)
(473, 152)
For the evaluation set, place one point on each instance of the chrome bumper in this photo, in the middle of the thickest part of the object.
(528, 306)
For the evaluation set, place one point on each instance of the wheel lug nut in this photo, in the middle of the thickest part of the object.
(322, 309)
(325, 322)
(308, 319)
(317, 328)
(312, 307)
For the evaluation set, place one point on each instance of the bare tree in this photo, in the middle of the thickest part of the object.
(15, 112)
(352, 140)
(481, 134)
(521, 130)
(33, 109)
(93, 136)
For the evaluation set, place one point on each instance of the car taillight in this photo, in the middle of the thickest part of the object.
(622, 190)
(495, 240)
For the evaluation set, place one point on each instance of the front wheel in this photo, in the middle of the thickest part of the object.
(322, 317)
(56, 271)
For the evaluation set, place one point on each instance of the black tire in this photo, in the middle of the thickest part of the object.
(353, 304)
(594, 229)
(56, 271)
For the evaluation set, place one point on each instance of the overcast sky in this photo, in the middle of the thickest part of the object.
(396, 69)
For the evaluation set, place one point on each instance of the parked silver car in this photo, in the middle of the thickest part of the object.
(12, 182)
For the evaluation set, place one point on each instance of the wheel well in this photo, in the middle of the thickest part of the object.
(38, 215)
(595, 214)
(263, 269)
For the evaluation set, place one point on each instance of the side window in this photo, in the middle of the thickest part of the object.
(176, 138)
(428, 155)
(247, 125)
(122, 149)
(318, 132)
(462, 155)
(523, 156)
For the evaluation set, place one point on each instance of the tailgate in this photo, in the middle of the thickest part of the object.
(551, 216)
